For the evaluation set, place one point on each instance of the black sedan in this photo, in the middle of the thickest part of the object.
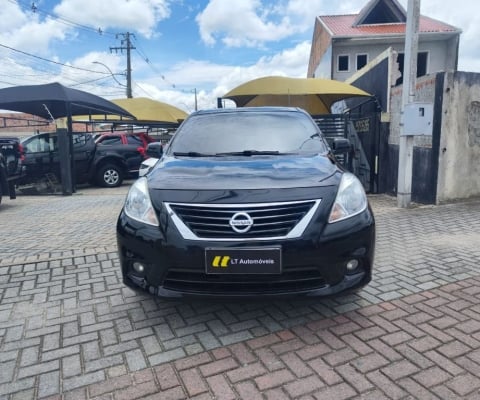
(247, 202)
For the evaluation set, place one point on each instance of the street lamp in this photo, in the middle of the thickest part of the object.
(113, 75)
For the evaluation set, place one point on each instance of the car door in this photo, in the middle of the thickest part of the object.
(135, 152)
(39, 156)
(83, 151)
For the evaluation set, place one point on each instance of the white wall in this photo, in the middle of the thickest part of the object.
(324, 68)
(437, 54)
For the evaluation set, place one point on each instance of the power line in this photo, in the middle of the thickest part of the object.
(144, 91)
(35, 9)
(34, 77)
(126, 45)
(148, 62)
(50, 61)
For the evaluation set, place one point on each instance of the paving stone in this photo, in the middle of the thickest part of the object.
(7, 371)
(60, 353)
(16, 386)
(166, 356)
(38, 369)
(135, 360)
(71, 366)
(105, 363)
(419, 312)
(432, 377)
(83, 380)
(30, 356)
(49, 384)
(220, 388)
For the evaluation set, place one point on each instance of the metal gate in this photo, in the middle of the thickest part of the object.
(362, 129)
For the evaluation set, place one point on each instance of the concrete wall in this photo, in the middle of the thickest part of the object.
(425, 151)
(459, 156)
(456, 96)
(425, 93)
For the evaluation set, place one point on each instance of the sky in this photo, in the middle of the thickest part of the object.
(185, 52)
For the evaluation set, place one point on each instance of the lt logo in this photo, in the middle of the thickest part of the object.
(221, 261)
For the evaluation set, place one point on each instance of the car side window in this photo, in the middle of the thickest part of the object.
(109, 140)
(53, 143)
(134, 140)
(79, 139)
(38, 144)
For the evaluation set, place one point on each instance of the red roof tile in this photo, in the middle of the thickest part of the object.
(342, 25)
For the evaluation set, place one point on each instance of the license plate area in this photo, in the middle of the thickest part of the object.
(245, 260)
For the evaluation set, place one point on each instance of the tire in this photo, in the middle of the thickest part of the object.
(109, 175)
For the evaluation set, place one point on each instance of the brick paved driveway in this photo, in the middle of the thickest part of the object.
(69, 328)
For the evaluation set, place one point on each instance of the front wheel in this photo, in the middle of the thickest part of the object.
(110, 175)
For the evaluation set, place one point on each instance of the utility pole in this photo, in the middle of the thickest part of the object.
(405, 156)
(126, 44)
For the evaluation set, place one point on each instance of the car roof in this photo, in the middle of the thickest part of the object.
(50, 134)
(236, 110)
(116, 133)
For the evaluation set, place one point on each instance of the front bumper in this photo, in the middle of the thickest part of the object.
(314, 265)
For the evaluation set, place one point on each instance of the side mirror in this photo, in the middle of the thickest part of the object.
(341, 146)
(155, 150)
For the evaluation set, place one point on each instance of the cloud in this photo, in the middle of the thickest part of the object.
(253, 23)
(462, 15)
(227, 25)
(141, 16)
(305, 12)
(25, 30)
(242, 23)
(215, 80)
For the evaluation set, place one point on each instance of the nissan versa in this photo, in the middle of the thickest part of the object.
(247, 202)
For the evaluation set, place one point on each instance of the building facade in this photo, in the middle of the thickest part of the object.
(344, 44)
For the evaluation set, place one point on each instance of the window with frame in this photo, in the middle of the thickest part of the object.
(38, 144)
(131, 139)
(343, 63)
(109, 140)
(362, 60)
(79, 139)
(422, 61)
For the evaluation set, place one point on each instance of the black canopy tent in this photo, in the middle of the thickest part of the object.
(52, 101)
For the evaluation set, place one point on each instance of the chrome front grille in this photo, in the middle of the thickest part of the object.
(262, 221)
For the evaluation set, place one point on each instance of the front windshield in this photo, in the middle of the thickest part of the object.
(252, 131)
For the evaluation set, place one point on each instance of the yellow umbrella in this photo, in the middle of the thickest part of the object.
(316, 96)
(144, 110)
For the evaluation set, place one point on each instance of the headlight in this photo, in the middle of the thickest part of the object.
(138, 204)
(351, 199)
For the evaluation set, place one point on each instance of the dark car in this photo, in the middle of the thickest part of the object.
(105, 160)
(247, 202)
(11, 165)
(131, 146)
(42, 156)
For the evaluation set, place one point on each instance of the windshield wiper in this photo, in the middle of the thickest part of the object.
(248, 153)
(191, 154)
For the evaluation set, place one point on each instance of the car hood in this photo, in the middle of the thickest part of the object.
(254, 172)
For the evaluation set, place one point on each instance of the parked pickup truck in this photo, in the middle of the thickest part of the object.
(105, 160)
(11, 157)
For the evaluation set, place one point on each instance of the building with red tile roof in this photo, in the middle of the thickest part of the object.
(344, 44)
